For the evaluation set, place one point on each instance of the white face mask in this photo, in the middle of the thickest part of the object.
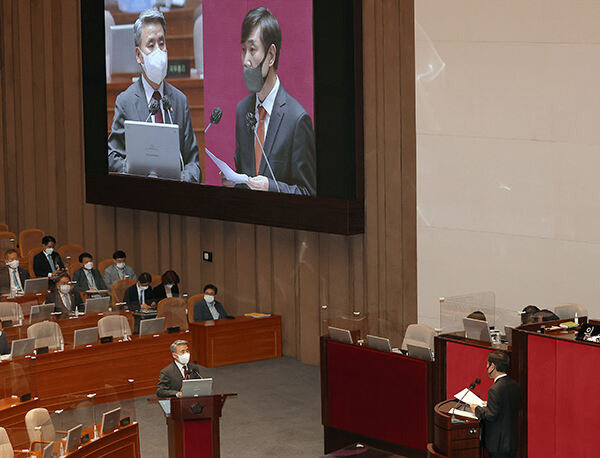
(143, 288)
(48, 251)
(169, 285)
(121, 265)
(155, 65)
(209, 299)
(184, 359)
(88, 265)
(13, 264)
(65, 289)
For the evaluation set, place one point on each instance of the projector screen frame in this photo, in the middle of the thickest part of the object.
(320, 214)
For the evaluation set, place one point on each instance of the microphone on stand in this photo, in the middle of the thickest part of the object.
(250, 123)
(166, 101)
(215, 117)
(471, 387)
(153, 107)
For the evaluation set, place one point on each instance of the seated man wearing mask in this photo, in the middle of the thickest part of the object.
(63, 297)
(283, 126)
(140, 295)
(132, 104)
(119, 270)
(208, 308)
(47, 263)
(88, 279)
(171, 377)
(12, 277)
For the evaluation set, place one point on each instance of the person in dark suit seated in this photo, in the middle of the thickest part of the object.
(140, 296)
(283, 126)
(12, 277)
(208, 308)
(499, 415)
(63, 297)
(150, 38)
(171, 377)
(48, 263)
(168, 286)
(87, 278)
(4, 345)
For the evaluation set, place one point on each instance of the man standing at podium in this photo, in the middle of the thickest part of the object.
(499, 416)
(171, 377)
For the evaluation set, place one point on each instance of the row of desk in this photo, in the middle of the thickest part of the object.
(386, 400)
(122, 369)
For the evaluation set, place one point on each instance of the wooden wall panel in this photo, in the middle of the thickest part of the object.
(256, 268)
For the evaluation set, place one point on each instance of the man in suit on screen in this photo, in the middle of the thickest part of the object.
(132, 104)
(171, 377)
(282, 124)
(499, 416)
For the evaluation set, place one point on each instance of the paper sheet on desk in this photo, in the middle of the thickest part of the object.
(469, 397)
(237, 178)
(166, 406)
(463, 413)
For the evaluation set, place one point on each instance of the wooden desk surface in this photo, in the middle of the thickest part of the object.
(243, 339)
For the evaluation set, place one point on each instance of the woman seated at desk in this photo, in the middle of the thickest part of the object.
(168, 286)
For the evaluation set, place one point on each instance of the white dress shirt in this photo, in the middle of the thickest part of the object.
(181, 368)
(213, 310)
(66, 300)
(149, 90)
(14, 286)
(142, 295)
(90, 279)
(168, 291)
(267, 104)
(499, 377)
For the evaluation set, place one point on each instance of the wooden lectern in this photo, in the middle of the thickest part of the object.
(453, 440)
(193, 426)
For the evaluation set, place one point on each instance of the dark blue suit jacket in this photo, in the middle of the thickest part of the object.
(201, 312)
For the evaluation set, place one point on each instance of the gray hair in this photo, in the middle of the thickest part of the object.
(176, 344)
(147, 17)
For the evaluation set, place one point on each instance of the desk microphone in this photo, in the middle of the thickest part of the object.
(250, 123)
(215, 117)
(153, 108)
(166, 101)
(471, 387)
(190, 372)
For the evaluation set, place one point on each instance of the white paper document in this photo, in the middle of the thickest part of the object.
(237, 178)
(468, 397)
(166, 406)
(463, 413)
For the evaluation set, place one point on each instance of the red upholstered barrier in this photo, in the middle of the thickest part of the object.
(563, 398)
(465, 363)
(377, 394)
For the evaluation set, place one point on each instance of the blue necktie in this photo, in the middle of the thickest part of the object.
(14, 272)
(51, 262)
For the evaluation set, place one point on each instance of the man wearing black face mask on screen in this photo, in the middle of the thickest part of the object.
(283, 126)
(132, 104)
(499, 416)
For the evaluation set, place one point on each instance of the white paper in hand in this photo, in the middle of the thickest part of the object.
(237, 178)
(469, 397)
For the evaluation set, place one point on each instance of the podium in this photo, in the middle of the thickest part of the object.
(193, 426)
(453, 440)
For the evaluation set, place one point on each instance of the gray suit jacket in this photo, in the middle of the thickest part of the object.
(131, 105)
(111, 275)
(82, 283)
(170, 379)
(289, 146)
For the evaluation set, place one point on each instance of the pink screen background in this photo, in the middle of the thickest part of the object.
(223, 76)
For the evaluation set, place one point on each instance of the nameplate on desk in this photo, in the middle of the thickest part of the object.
(172, 329)
(107, 339)
(7, 323)
(589, 333)
(85, 438)
(41, 350)
(25, 397)
(124, 421)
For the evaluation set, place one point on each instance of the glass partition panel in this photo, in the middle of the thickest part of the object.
(454, 309)
(15, 380)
